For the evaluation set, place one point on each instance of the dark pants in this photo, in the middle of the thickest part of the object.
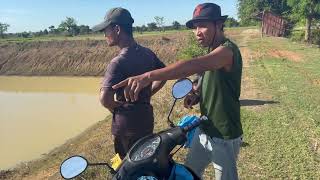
(122, 144)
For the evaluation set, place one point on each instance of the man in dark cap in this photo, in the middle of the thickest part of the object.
(130, 120)
(218, 140)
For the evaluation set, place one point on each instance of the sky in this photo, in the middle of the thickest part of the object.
(36, 15)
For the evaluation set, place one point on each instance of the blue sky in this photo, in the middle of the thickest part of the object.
(36, 15)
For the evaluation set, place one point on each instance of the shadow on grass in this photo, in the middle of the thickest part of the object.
(244, 144)
(255, 102)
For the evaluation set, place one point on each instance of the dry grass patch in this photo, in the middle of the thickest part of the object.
(316, 82)
(285, 54)
(315, 145)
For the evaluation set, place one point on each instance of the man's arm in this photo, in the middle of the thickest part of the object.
(156, 86)
(219, 58)
(222, 57)
(107, 99)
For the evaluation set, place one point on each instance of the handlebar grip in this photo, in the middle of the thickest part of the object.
(194, 124)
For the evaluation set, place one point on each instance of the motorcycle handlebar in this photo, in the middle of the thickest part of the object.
(194, 124)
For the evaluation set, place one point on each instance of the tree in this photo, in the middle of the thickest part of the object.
(144, 28)
(53, 30)
(176, 25)
(249, 9)
(160, 22)
(246, 11)
(45, 32)
(36, 34)
(25, 34)
(231, 22)
(75, 30)
(83, 29)
(3, 29)
(152, 26)
(70, 26)
(306, 9)
(138, 29)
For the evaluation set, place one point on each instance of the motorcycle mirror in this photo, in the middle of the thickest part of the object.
(73, 167)
(181, 88)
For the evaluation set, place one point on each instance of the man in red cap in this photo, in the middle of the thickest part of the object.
(218, 140)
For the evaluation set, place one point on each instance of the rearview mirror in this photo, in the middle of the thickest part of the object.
(73, 167)
(181, 88)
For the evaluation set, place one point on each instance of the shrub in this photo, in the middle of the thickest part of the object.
(192, 50)
(315, 37)
(297, 35)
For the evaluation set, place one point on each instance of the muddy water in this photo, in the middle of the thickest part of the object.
(40, 113)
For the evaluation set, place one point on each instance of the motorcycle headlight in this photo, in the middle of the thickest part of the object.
(145, 149)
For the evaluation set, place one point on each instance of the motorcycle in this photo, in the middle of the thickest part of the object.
(150, 158)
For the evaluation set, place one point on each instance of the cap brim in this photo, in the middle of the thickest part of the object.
(100, 26)
(190, 23)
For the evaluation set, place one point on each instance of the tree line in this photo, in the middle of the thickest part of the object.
(70, 27)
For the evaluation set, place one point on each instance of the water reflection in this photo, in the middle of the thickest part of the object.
(39, 113)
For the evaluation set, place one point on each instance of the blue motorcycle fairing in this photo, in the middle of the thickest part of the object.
(184, 122)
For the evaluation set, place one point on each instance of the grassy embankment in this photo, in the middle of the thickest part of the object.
(78, 57)
(280, 116)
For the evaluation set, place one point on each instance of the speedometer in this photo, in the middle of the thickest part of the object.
(146, 149)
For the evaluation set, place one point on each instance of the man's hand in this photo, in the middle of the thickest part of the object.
(133, 86)
(107, 99)
(191, 100)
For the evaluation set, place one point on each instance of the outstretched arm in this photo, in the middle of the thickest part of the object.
(219, 58)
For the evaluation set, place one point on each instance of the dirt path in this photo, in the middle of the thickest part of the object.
(251, 97)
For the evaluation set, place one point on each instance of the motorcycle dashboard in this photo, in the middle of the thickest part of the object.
(146, 149)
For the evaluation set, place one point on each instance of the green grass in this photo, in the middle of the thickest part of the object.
(241, 28)
(283, 138)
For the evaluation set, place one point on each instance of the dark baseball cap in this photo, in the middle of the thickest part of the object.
(115, 16)
(206, 12)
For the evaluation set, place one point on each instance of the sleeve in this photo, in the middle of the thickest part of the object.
(158, 63)
(112, 76)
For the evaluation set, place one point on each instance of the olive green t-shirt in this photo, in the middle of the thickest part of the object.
(220, 92)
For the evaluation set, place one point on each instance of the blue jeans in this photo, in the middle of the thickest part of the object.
(222, 153)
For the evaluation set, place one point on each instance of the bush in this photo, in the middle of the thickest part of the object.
(231, 22)
(315, 37)
(192, 50)
(297, 35)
